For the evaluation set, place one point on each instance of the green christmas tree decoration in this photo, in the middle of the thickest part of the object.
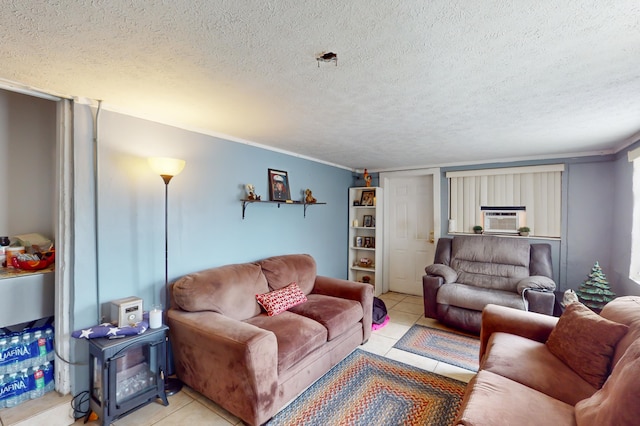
(595, 292)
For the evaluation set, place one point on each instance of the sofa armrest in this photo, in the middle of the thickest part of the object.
(532, 325)
(541, 302)
(215, 354)
(430, 286)
(351, 290)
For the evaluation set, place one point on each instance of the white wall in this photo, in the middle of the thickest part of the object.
(622, 212)
(27, 188)
(27, 146)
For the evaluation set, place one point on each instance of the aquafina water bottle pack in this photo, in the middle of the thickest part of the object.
(26, 369)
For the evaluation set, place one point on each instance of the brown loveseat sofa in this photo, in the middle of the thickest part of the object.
(525, 376)
(470, 272)
(252, 364)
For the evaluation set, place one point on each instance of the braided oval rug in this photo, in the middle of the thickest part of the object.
(368, 389)
(456, 349)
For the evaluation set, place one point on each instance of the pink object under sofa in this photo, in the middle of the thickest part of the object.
(230, 350)
(583, 369)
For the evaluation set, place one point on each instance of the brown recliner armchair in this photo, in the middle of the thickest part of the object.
(470, 272)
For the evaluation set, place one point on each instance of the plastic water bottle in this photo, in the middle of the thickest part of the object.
(13, 354)
(37, 382)
(25, 381)
(4, 347)
(26, 355)
(11, 389)
(39, 348)
(48, 335)
(2, 398)
(48, 370)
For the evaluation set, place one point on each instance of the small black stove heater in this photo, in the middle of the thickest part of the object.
(127, 373)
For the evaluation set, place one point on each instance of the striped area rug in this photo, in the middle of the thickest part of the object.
(453, 348)
(369, 390)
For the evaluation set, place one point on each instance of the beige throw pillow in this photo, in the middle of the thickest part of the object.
(586, 342)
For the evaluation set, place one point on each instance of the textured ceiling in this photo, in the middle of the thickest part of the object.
(417, 83)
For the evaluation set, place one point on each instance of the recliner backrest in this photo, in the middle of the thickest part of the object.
(540, 261)
(443, 251)
(490, 262)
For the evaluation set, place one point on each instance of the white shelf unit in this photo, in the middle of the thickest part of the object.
(365, 242)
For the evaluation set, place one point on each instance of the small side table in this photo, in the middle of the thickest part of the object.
(126, 373)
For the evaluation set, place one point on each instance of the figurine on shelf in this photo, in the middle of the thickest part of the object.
(309, 197)
(251, 192)
(367, 178)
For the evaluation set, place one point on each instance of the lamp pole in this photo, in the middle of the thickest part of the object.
(172, 385)
(166, 179)
(167, 168)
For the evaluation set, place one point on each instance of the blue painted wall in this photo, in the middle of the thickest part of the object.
(589, 190)
(206, 228)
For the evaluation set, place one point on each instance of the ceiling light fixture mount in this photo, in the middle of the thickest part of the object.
(327, 57)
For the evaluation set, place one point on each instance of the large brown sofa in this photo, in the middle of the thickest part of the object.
(470, 272)
(228, 349)
(525, 377)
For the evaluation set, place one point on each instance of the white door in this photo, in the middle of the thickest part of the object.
(411, 228)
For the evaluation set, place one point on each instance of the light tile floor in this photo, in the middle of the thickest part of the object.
(190, 408)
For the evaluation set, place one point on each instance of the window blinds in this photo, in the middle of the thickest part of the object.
(538, 188)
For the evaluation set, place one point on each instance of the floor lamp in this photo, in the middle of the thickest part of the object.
(167, 168)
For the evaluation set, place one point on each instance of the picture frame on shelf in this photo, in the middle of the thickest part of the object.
(369, 242)
(367, 197)
(279, 189)
(367, 220)
(359, 242)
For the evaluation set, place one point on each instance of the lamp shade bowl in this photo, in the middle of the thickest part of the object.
(165, 166)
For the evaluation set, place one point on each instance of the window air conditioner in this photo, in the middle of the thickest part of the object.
(503, 220)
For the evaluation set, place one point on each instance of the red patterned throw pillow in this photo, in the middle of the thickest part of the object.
(278, 301)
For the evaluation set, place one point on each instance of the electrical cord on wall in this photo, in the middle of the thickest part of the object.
(96, 206)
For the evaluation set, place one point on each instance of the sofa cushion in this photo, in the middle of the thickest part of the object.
(586, 342)
(277, 301)
(444, 271)
(297, 336)
(476, 298)
(490, 262)
(618, 402)
(624, 310)
(491, 399)
(229, 290)
(335, 314)
(282, 270)
(530, 363)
